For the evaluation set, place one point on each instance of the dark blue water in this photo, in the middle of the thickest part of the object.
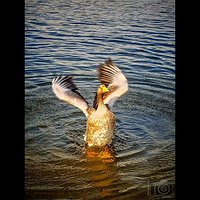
(73, 37)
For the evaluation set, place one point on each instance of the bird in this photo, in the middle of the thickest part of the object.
(101, 120)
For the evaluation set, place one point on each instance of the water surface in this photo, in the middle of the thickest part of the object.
(74, 37)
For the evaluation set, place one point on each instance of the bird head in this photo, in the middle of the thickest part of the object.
(103, 89)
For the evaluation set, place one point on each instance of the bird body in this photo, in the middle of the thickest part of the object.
(100, 119)
(100, 126)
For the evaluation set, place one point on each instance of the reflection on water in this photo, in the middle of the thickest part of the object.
(103, 176)
(106, 152)
(73, 37)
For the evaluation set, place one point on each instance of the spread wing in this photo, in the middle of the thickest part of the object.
(114, 80)
(66, 90)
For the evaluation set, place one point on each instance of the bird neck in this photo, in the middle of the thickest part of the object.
(100, 100)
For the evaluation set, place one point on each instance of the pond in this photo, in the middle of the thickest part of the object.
(73, 38)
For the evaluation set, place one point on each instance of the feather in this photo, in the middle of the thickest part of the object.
(114, 80)
(66, 90)
(95, 103)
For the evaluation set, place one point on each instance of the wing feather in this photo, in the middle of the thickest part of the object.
(110, 75)
(66, 90)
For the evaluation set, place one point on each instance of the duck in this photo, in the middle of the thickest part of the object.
(101, 121)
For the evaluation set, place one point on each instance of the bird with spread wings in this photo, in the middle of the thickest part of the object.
(100, 118)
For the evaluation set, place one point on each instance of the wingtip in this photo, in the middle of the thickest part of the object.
(55, 79)
(108, 61)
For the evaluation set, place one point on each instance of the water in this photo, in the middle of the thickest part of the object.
(73, 37)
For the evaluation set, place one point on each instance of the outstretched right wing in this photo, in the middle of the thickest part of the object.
(110, 75)
(66, 90)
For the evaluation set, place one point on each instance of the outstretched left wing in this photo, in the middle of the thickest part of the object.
(66, 90)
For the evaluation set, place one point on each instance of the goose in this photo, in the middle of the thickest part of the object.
(100, 118)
